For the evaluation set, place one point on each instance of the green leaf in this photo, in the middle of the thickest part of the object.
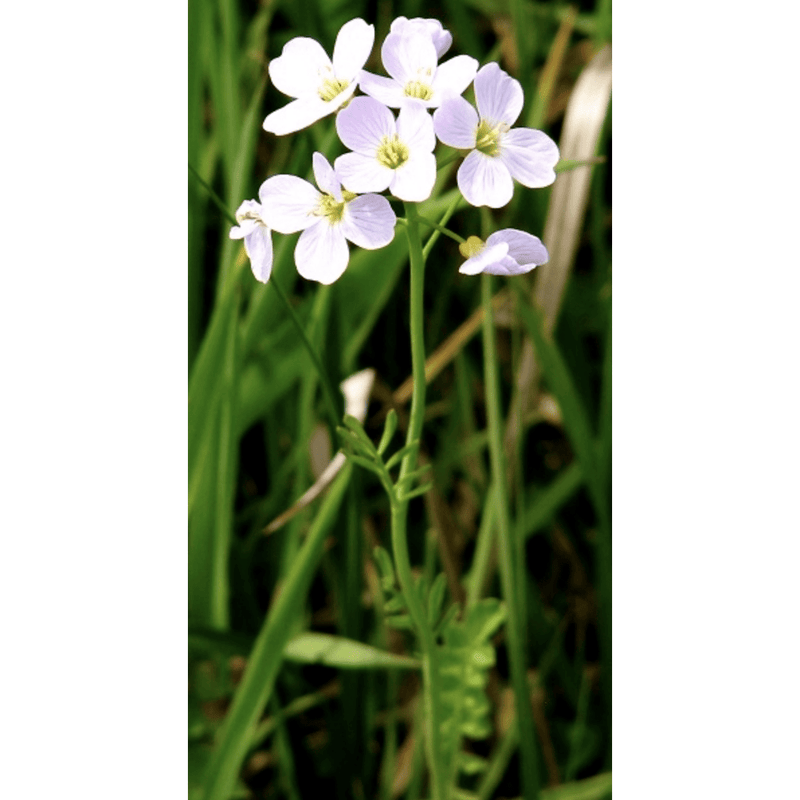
(436, 597)
(358, 429)
(337, 651)
(416, 492)
(464, 664)
(366, 463)
(356, 443)
(401, 454)
(546, 502)
(484, 618)
(402, 622)
(421, 590)
(384, 562)
(389, 428)
(408, 480)
(448, 617)
(470, 764)
(395, 604)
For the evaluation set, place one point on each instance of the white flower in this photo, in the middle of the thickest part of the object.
(441, 38)
(304, 71)
(498, 153)
(411, 59)
(388, 154)
(328, 219)
(505, 252)
(257, 238)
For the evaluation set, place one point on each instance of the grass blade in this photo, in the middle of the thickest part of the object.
(546, 502)
(343, 653)
(254, 691)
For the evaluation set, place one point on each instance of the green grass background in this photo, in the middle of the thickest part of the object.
(351, 728)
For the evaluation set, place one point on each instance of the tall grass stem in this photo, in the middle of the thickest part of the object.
(507, 550)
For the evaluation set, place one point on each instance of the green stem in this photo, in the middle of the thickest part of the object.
(506, 549)
(417, 312)
(441, 228)
(430, 668)
(447, 214)
(214, 196)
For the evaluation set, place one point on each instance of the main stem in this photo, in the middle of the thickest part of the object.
(430, 669)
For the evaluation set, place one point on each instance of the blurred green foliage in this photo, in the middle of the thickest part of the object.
(255, 403)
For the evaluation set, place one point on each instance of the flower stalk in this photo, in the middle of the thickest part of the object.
(436, 226)
(399, 517)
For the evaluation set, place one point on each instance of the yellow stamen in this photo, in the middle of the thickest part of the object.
(419, 90)
(332, 208)
(471, 247)
(392, 152)
(487, 137)
(332, 87)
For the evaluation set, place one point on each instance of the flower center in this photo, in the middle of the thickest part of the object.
(392, 152)
(471, 247)
(487, 137)
(419, 90)
(331, 87)
(332, 208)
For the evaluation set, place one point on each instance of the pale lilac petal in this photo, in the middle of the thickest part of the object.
(507, 266)
(297, 115)
(353, 46)
(415, 179)
(246, 226)
(288, 203)
(498, 96)
(455, 123)
(530, 156)
(325, 177)
(360, 173)
(453, 77)
(442, 39)
(525, 248)
(300, 68)
(258, 246)
(490, 254)
(409, 58)
(363, 124)
(322, 253)
(485, 181)
(415, 127)
(369, 221)
(385, 90)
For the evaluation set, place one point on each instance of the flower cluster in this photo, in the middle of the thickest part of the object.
(393, 153)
